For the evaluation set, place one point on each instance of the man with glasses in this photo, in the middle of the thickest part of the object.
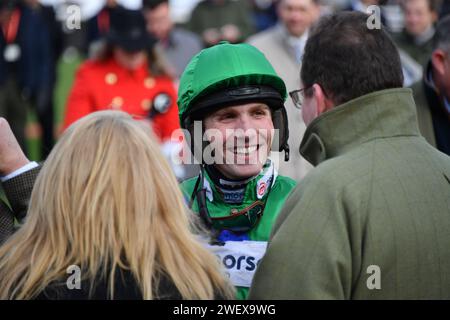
(372, 219)
(231, 99)
(432, 94)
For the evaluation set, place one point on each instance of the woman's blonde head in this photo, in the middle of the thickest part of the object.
(105, 199)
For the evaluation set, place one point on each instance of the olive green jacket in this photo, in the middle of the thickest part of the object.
(372, 220)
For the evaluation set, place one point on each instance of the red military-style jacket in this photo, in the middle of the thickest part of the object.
(102, 85)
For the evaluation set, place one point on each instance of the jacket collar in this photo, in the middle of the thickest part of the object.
(255, 188)
(381, 114)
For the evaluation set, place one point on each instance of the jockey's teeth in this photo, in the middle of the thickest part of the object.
(246, 150)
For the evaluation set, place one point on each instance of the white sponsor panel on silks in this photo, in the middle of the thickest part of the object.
(240, 259)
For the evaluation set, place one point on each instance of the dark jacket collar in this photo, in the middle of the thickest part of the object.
(381, 114)
(434, 99)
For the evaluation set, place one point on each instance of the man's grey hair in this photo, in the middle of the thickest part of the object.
(442, 36)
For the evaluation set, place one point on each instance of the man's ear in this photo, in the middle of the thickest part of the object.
(438, 61)
(323, 103)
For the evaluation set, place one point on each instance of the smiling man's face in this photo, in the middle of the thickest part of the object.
(246, 137)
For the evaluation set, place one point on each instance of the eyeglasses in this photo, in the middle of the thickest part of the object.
(298, 96)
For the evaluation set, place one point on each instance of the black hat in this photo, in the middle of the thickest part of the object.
(128, 30)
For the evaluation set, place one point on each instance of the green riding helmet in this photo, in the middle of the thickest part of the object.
(231, 74)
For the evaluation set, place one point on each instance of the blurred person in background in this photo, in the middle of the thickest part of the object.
(178, 45)
(217, 20)
(264, 14)
(283, 45)
(416, 40)
(392, 15)
(432, 93)
(98, 26)
(126, 77)
(26, 66)
(75, 44)
(45, 109)
(122, 223)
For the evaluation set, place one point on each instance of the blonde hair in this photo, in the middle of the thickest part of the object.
(105, 199)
